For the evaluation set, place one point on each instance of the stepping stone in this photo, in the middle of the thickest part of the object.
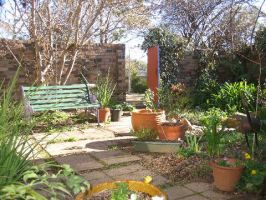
(80, 162)
(177, 192)
(195, 197)
(123, 170)
(199, 186)
(215, 195)
(114, 157)
(94, 175)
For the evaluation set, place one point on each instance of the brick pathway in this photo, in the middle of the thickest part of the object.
(93, 159)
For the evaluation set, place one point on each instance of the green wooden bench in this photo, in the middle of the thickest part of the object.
(62, 97)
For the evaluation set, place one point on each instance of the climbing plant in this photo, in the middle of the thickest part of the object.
(171, 52)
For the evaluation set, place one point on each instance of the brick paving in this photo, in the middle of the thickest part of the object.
(92, 159)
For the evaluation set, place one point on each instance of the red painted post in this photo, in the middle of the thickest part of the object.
(153, 70)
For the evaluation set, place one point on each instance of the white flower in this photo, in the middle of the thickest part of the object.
(133, 196)
(157, 198)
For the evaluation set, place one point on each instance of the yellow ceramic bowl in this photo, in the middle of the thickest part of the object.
(135, 186)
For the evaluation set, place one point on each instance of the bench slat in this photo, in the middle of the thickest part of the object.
(61, 100)
(33, 88)
(56, 92)
(55, 96)
(66, 107)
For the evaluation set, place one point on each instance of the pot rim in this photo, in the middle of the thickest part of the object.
(148, 112)
(170, 124)
(110, 184)
(214, 164)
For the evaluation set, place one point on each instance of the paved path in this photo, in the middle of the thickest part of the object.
(94, 156)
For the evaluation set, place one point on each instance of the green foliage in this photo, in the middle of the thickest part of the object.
(229, 97)
(138, 84)
(171, 52)
(39, 183)
(127, 106)
(253, 177)
(213, 131)
(15, 149)
(192, 146)
(145, 134)
(149, 100)
(174, 98)
(121, 192)
(104, 90)
(206, 86)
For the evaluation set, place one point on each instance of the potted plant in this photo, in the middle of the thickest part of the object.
(147, 118)
(172, 130)
(127, 189)
(116, 113)
(226, 171)
(104, 90)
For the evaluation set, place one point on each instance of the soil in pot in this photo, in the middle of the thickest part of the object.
(171, 131)
(104, 114)
(226, 178)
(116, 115)
(106, 195)
(146, 119)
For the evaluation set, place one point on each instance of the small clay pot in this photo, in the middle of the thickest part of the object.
(171, 131)
(104, 114)
(226, 178)
(116, 115)
(146, 119)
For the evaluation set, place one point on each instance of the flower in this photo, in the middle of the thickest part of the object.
(147, 179)
(253, 172)
(247, 156)
(157, 198)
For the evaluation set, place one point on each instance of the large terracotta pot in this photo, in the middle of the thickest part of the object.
(104, 114)
(226, 178)
(136, 186)
(146, 119)
(170, 131)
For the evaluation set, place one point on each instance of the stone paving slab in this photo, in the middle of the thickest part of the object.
(195, 197)
(177, 192)
(123, 170)
(199, 186)
(80, 162)
(215, 195)
(114, 157)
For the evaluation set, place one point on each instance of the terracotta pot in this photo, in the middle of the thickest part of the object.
(168, 131)
(147, 119)
(226, 178)
(135, 186)
(104, 114)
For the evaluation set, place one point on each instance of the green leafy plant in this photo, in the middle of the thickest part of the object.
(145, 134)
(149, 100)
(254, 176)
(191, 147)
(213, 131)
(127, 106)
(15, 147)
(104, 90)
(38, 182)
(229, 96)
(121, 192)
(117, 107)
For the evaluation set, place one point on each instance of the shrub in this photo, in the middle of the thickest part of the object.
(206, 86)
(229, 97)
(145, 134)
(138, 84)
(127, 107)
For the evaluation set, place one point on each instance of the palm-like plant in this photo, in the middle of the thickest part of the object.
(104, 90)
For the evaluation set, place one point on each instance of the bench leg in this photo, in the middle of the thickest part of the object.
(98, 117)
